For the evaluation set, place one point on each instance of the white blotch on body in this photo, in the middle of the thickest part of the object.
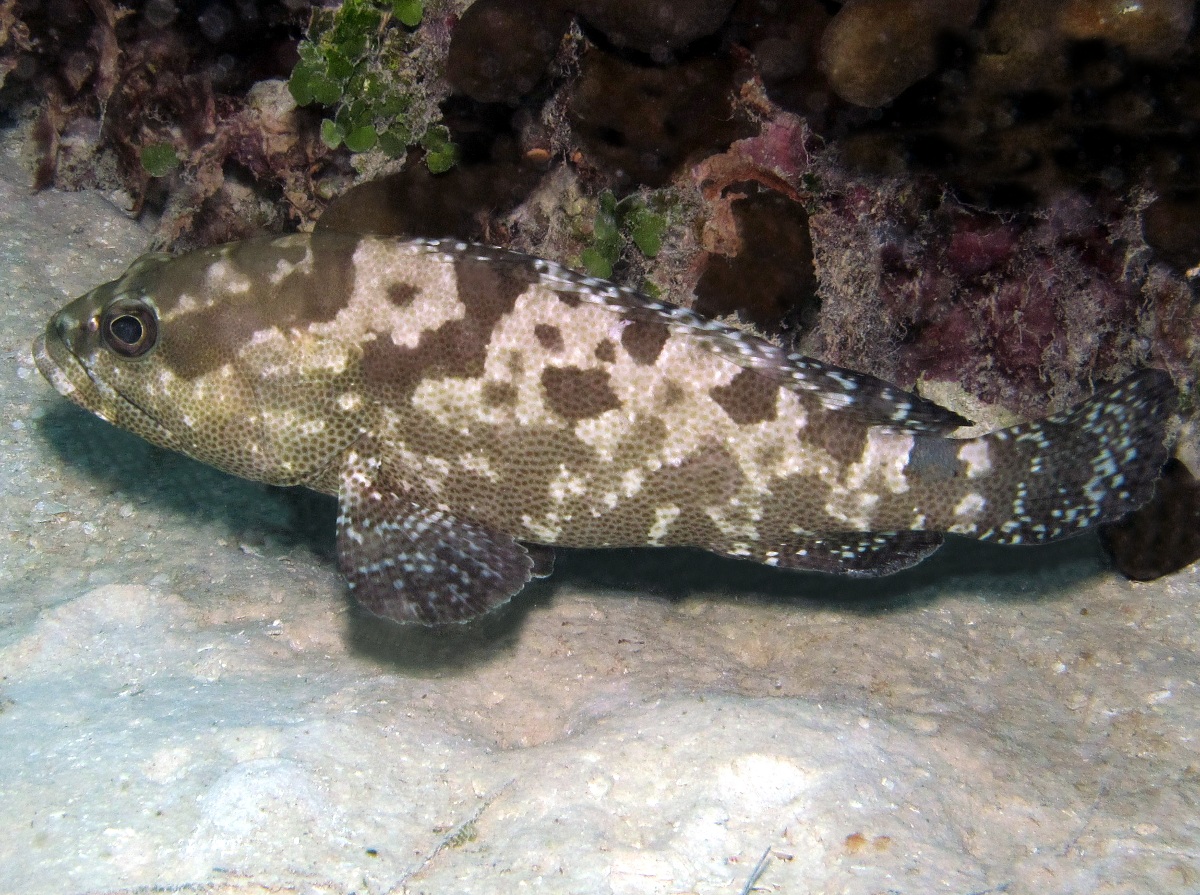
(222, 276)
(974, 454)
(663, 517)
(971, 505)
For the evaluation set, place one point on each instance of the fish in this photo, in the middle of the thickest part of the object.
(473, 409)
(1162, 536)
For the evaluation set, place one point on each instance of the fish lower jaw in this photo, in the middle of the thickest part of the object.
(52, 371)
(80, 389)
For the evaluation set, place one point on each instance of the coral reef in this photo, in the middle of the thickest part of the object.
(1041, 96)
(501, 49)
(361, 62)
(616, 224)
(785, 41)
(655, 27)
(418, 202)
(757, 249)
(897, 39)
(120, 91)
(1024, 311)
(1171, 228)
(170, 107)
(641, 123)
(769, 280)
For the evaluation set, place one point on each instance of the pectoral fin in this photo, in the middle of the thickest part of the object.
(411, 562)
(543, 559)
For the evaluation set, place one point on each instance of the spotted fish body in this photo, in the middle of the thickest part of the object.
(473, 408)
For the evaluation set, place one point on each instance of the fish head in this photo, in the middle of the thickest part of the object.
(99, 352)
(162, 352)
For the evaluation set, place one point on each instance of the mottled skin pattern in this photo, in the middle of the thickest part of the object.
(467, 404)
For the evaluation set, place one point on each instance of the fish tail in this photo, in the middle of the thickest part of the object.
(1056, 477)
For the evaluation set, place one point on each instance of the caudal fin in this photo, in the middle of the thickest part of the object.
(1056, 477)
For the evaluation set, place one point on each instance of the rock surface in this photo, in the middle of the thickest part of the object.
(189, 702)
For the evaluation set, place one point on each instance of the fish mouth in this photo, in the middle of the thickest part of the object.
(66, 373)
(72, 379)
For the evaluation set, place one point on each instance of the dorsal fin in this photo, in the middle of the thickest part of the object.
(874, 401)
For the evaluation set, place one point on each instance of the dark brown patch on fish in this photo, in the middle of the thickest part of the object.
(644, 340)
(748, 399)
(514, 362)
(458, 348)
(578, 394)
(934, 459)
(205, 338)
(533, 455)
(669, 394)
(709, 477)
(842, 439)
(549, 337)
(793, 500)
(321, 294)
(489, 288)
(631, 519)
(606, 351)
(705, 479)
(401, 294)
(499, 394)
(570, 299)
(684, 485)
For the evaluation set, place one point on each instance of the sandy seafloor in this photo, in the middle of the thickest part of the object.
(189, 702)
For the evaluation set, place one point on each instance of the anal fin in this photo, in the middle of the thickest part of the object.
(415, 563)
(857, 554)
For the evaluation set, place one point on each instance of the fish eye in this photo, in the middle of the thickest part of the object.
(129, 328)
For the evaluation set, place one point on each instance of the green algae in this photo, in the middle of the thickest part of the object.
(159, 159)
(361, 62)
(639, 220)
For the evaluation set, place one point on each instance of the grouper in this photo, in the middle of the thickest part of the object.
(474, 408)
